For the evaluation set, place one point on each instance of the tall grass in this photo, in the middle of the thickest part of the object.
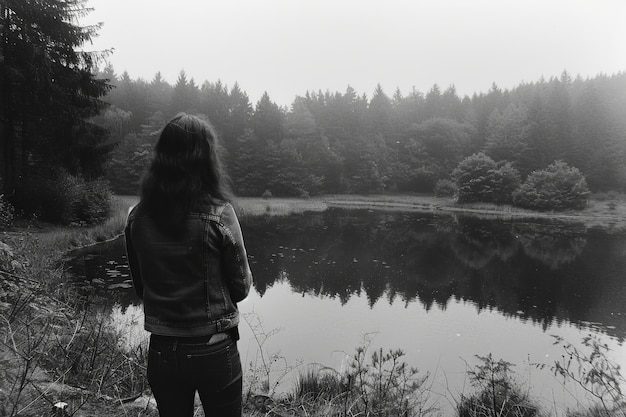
(56, 343)
(376, 383)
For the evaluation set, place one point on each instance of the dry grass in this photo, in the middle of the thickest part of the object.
(48, 325)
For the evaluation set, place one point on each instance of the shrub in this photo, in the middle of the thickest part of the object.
(267, 194)
(94, 202)
(7, 212)
(480, 179)
(304, 194)
(384, 386)
(606, 195)
(445, 188)
(64, 199)
(50, 198)
(496, 393)
(558, 187)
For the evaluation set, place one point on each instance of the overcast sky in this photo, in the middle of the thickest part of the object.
(286, 47)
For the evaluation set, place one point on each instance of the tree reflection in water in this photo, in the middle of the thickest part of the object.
(554, 245)
(541, 271)
(545, 272)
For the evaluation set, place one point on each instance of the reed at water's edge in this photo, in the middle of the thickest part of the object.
(56, 347)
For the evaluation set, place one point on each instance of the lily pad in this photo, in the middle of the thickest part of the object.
(122, 285)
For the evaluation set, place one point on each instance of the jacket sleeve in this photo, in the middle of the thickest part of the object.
(133, 262)
(234, 257)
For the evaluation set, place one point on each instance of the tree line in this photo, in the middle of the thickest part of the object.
(347, 142)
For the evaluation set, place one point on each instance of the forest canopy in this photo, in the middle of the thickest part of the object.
(349, 142)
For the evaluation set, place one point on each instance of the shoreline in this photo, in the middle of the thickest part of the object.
(607, 214)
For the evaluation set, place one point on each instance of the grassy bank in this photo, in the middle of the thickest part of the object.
(606, 211)
(56, 346)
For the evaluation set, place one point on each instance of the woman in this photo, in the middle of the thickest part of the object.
(189, 266)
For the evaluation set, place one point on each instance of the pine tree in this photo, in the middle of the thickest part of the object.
(185, 96)
(379, 112)
(49, 90)
(268, 120)
(507, 136)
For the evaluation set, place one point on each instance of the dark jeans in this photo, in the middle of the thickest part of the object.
(178, 368)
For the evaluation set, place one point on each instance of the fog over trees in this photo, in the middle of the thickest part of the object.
(349, 142)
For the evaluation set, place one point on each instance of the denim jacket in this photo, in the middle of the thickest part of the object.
(189, 284)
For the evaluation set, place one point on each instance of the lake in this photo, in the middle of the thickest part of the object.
(443, 288)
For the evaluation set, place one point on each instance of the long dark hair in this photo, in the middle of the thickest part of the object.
(185, 170)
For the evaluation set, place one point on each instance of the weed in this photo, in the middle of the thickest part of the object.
(496, 394)
(266, 370)
(595, 373)
(380, 384)
(385, 386)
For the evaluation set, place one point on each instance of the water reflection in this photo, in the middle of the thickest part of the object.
(544, 272)
(102, 272)
(553, 245)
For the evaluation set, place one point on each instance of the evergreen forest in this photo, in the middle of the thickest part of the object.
(352, 142)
